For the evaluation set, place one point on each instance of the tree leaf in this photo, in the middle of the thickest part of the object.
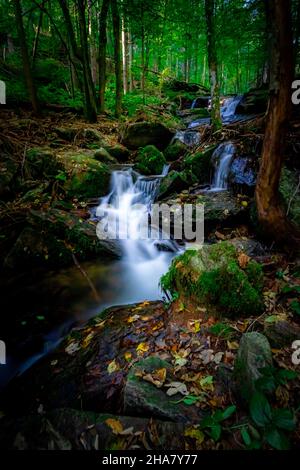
(113, 366)
(115, 425)
(260, 409)
(277, 439)
(216, 431)
(284, 419)
(246, 436)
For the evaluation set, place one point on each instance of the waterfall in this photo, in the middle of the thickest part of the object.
(222, 158)
(228, 109)
(194, 103)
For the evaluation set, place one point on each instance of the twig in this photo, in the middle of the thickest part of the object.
(83, 272)
(23, 161)
(292, 197)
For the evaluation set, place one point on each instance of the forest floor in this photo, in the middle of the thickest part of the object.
(155, 375)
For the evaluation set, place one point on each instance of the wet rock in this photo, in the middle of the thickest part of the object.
(66, 429)
(118, 151)
(150, 161)
(42, 163)
(253, 355)
(104, 156)
(141, 134)
(94, 136)
(251, 247)
(52, 237)
(242, 174)
(145, 399)
(253, 102)
(175, 150)
(282, 333)
(177, 85)
(174, 182)
(199, 164)
(202, 274)
(221, 208)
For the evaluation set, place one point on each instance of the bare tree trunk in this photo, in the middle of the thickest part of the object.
(102, 53)
(25, 57)
(213, 64)
(37, 36)
(130, 62)
(271, 215)
(90, 96)
(117, 55)
(125, 56)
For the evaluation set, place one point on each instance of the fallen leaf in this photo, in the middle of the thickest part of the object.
(128, 356)
(218, 357)
(207, 356)
(113, 366)
(243, 260)
(232, 345)
(115, 425)
(142, 348)
(157, 378)
(133, 318)
(87, 340)
(220, 235)
(176, 387)
(72, 348)
(195, 433)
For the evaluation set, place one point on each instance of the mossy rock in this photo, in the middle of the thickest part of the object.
(213, 276)
(141, 134)
(118, 151)
(8, 169)
(200, 165)
(102, 155)
(86, 177)
(150, 161)
(174, 182)
(42, 163)
(174, 151)
(288, 185)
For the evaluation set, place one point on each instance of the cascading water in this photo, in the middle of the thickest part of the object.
(222, 158)
(127, 205)
(228, 109)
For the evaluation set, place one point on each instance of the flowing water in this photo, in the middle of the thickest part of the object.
(222, 158)
(228, 110)
(62, 300)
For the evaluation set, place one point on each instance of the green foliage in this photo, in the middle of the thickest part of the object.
(199, 164)
(150, 161)
(222, 330)
(213, 423)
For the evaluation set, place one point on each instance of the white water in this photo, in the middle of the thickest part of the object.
(228, 109)
(222, 158)
(143, 262)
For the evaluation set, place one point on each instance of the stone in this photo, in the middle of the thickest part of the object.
(174, 182)
(118, 151)
(42, 163)
(282, 333)
(150, 161)
(8, 170)
(242, 174)
(199, 164)
(94, 136)
(175, 150)
(142, 397)
(66, 133)
(254, 354)
(141, 134)
(102, 155)
(253, 102)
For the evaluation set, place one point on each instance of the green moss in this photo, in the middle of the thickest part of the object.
(213, 276)
(174, 151)
(150, 161)
(199, 164)
(288, 185)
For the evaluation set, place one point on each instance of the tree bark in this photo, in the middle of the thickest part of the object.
(89, 89)
(102, 53)
(125, 55)
(213, 64)
(117, 56)
(25, 58)
(271, 214)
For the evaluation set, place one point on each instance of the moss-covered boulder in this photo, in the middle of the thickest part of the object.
(85, 176)
(118, 151)
(200, 165)
(175, 150)
(291, 199)
(42, 163)
(150, 161)
(141, 134)
(214, 276)
(173, 183)
(8, 169)
(102, 155)
(51, 239)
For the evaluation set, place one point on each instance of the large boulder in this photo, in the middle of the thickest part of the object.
(51, 238)
(199, 164)
(118, 151)
(175, 150)
(141, 134)
(202, 274)
(242, 174)
(253, 102)
(102, 155)
(281, 333)
(174, 182)
(254, 354)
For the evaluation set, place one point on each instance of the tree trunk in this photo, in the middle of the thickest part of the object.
(117, 55)
(89, 89)
(25, 58)
(271, 215)
(37, 36)
(213, 64)
(125, 56)
(102, 53)
(130, 62)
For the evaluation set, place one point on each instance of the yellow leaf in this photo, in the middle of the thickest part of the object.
(243, 260)
(142, 348)
(145, 318)
(197, 326)
(157, 378)
(133, 319)
(113, 366)
(87, 340)
(232, 345)
(115, 425)
(244, 203)
(195, 433)
(128, 356)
